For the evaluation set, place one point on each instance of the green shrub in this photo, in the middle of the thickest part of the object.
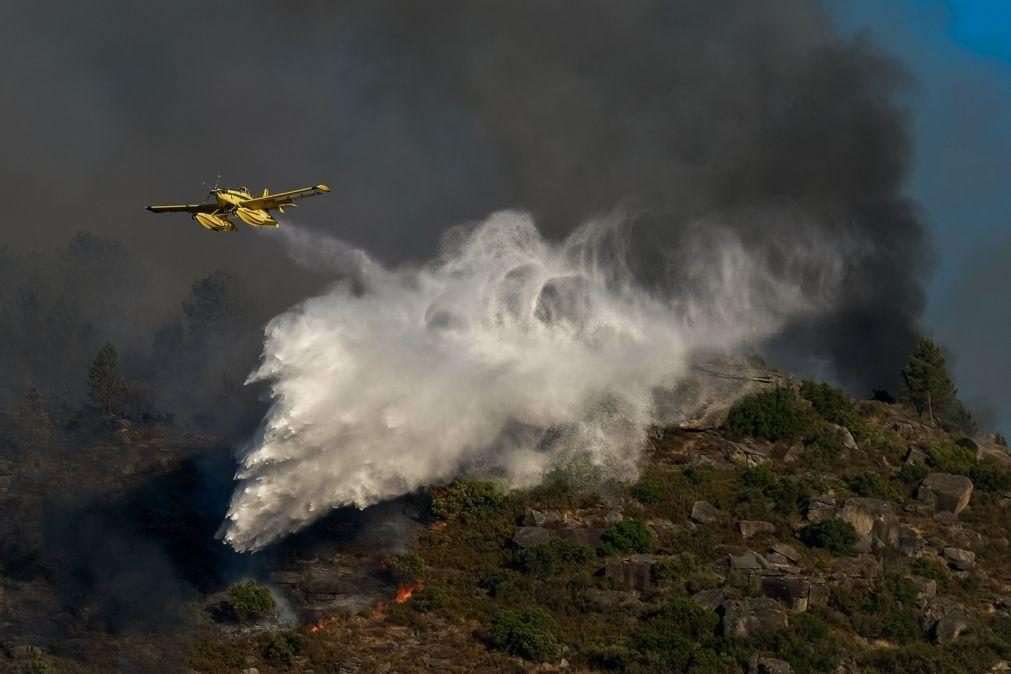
(627, 536)
(497, 583)
(39, 665)
(835, 535)
(650, 492)
(429, 598)
(806, 644)
(947, 457)
(1000, 439)
(887, 610)
(670, 571)
(773, 415)
(467, 501)
(872, 484)
(530, 633)
(408, 566)
(283, 648)
(831, 403)
(250, 601)
(989, 475)
(679, 638)
(547, 559)
(787, 494)
(911, 475)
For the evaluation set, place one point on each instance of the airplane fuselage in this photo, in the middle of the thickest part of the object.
(254, 211)
(231, 202)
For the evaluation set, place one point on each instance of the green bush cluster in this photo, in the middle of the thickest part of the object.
(831, 403)
(550, 558)
(626, 537)
(408, 566)
(947, 457)
(771, 415)
(496, 582)
(39, 665)
(467, 501)
(680, 637)
(283, 648)
(887, 610)
(911, 475)
(988, 475)
(429, 598)
(835, 535)
(873, 484)
(250, 601)
(649, 491)
(785, 494)
(807, 644)
(530, 633)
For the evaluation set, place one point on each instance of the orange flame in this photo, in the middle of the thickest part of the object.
(323, 623)
(405, 592)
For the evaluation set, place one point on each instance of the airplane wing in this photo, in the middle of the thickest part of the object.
(284, 198)
(187, 208)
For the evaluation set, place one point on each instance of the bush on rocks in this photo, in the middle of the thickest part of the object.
(467, 501)
(626, 537)
(835, 535)
(530, 633)
(250, 601)
(770, 415)
(831, 403)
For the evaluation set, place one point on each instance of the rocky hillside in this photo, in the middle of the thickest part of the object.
(797, 531)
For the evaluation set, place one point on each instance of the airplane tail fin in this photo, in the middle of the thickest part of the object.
(266, 192)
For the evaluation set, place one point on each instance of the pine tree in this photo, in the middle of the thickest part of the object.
(927, 387)
(36, 426)
(106, 386)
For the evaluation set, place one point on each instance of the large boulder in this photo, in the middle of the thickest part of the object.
(794, 592)
(543, 518)
(703, 398)
(635, 573)
(943, 619)
(986, 447)
(711, 599)
(591, 537)
(945, 493)
(820, 508)
(874, 521)
(742, 617)
(751, 528)
(748, 561)
(704, 512)
(748, 454)
(959, 559)
(528, 537)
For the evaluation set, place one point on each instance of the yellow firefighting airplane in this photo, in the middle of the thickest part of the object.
(253, 211)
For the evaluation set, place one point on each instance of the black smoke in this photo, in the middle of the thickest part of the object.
(423, 115)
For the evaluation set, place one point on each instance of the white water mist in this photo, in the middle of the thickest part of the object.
(504, 357)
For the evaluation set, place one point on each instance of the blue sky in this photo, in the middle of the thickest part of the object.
(959, 52)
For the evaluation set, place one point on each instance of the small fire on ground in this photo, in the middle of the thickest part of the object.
(323, 623)
(405, 592)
